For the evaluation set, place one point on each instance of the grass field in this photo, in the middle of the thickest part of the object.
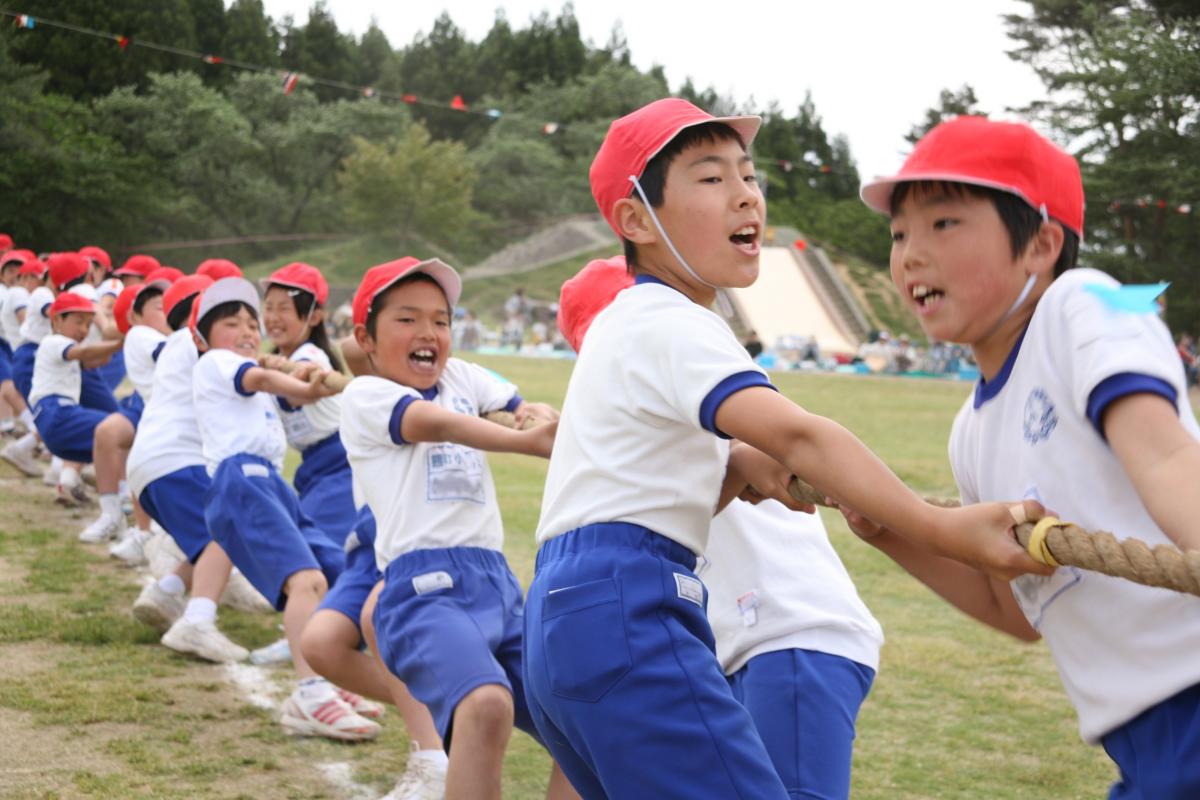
(91, 706)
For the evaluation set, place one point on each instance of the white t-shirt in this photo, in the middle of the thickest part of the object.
(53, 372)
(37, 321)
(632, 444)
(775, 583)
(425, 494)
(308, 424)
(10, 327)
(168, 438)
(232, 420)
(142, 347)
(1119, 647)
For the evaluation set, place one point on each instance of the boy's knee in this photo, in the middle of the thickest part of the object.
(306, 581)
(487, 708)
(315, 644)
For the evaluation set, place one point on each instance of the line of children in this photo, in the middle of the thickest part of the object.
(16, 281)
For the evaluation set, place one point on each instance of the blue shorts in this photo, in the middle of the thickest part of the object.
(326, 491)
(254, 514)
(131, 408)
(1158, 751)
(176, 502)
(804, 704)
(94, 392)
(22, 368)
(349, 594)
(448, 621)
(113, 372)
(68, 430)
(6, 359)
(621, 673)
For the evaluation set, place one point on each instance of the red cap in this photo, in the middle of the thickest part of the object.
(182, 289)
(382, 276)
(636, 138)
(124, 306)
(168, 274)
(587, 294)
(67, 302)
(1009, 156)
(226, 290)
(218, 268)
(17, 256)
(6, 242)
(66, 267)
(139, 264)
(33, 267)
(304, 277)
(97, 254)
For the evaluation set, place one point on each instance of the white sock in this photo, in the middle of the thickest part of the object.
(26, 443)
(68, 478)
(26, 416)
(315, 688)
(438, 757)
(110, 506)
(171, 584)
(123, 488)
(200, 609)
(56, 464)
(7, 424)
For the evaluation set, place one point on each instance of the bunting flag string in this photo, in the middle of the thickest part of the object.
(1148, 202)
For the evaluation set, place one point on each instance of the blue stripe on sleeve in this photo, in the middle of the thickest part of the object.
(157, 351)
(398, 416)
(721, 392)
(66, 350)
(1123, 384)
(237, 379)
(514, 403)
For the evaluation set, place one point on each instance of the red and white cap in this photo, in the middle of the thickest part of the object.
(34, 266)
(140, 265)
(299, 275)
(66, 302)
(6, 242)
(217, 268)
(636, 138)
(182, 289)
(17, 257)
(382, 276)
(66, 267)
(122, 310)
(168, 274)
(226, 290)
(1009, 156)
(97, 254)
(587, 294)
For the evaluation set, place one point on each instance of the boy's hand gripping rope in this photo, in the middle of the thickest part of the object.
(1056, 543)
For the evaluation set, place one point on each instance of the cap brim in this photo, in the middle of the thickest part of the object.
(227, 290)
(877, 193)
(443, 273)
(745, 126)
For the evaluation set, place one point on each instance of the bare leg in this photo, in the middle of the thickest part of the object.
(304, 590)
(140, 516)
(559, 787)
(211, 573)
(421, 730)
(330, 644)
(8, 391)
(483, 724)
(114, 437)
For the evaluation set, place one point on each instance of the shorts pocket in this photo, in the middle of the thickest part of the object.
(586, 645)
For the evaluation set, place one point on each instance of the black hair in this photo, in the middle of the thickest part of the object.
(145, 296)
(230, 308)
(654, 177)
(379, 301)
(303, 302)
(72, 283)
(180, 313)
(1021, 220)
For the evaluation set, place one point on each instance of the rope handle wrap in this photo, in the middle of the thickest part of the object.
(1056, 543)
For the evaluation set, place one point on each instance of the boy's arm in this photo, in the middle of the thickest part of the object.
(95, 354)
(428, 422)
(1161, 458)
(354, 357)
(536, 413)
(834, 461)
(259, 379)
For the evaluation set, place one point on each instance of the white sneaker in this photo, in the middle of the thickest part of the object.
(240, 594)
(157, 608)
(102, 529)
(279, 652)
(51, 473)
(423, 779)
(87, 474)
(130, 548)
(204, 640)
(328, 716)
(162, 554)
(361, 705)
(23, 460)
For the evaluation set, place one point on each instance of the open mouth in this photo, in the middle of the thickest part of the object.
(926, 297)
(745, 239)
(423, 359)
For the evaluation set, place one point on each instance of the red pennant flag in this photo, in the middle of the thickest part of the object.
(550, 128)
(290, 79)
(457, 103)
(1162, 203)
(826, 168)
(800, 244)
(122, 42)
(213, 60)
(409, 98)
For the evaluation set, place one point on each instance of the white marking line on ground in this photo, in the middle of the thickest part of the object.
(340, 776)
(255, 683)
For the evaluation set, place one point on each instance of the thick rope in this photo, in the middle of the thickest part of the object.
(1163, 565)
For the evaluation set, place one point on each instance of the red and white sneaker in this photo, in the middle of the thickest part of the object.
(361, 705)
(327, 715)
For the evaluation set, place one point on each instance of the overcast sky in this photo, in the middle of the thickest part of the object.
(873, 67)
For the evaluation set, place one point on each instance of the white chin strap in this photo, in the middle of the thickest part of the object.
(1029, 282)
(722, 301)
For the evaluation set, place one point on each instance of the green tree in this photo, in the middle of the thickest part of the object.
(250, 35)
(409, 185)
(520, 179)
(950, 104)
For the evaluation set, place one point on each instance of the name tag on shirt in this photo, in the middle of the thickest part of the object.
(432, 582)
(454, 473)
(297, 425)
(690, 589)
(748, 607)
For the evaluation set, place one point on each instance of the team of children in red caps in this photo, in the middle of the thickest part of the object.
(689, 631)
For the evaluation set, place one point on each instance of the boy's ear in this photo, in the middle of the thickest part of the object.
(364, 339)
(201, 345)
(1043, 250)
(633, 221)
